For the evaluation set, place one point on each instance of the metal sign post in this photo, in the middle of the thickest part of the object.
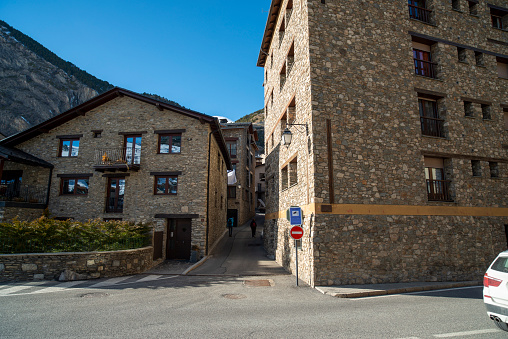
(296, 233)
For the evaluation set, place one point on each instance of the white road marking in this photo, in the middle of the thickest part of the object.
(110, 282)
(59, 287)
(149, 278)
(461, 334)
(15, 289)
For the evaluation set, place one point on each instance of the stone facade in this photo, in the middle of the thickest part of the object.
(86, 265)
(241, 138)
(102, 126)
(345, 73)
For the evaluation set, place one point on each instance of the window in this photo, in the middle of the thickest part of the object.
(290, 59)
(476, 167)
(418, 10)
(505, 113)
(289, 11)
(438, 188)
(74, 186)
(473, 7)
(115, 195)
(429, 118)
(261, 176)
(456, 5)
(97, 133)
(479, 59)
(499, 17)
(166, 184)
(284, 178)
(486, 109)
(282, 76)
(291, 111)
(231, 145)
(170, 143)
(422, 57)
(282, 30)
(293, 172)
(502, 67)
(462, 54)
(468, 109)
(69, 147)
(232, 192)
(494, 169)
(132, 145)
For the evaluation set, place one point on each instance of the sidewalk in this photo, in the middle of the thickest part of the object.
(359, 291)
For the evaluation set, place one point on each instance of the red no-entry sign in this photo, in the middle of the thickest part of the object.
(296, 232)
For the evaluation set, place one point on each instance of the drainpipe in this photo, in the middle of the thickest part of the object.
(208, 191)
(49, 186)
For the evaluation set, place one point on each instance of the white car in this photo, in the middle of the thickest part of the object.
(495, 291)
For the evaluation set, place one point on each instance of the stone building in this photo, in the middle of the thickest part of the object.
(260, 183)
(397, 111)
(241, 140)
(128, 157)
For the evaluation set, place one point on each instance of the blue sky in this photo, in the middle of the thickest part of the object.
(201, 54)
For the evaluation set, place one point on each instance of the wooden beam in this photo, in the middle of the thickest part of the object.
(159, 107)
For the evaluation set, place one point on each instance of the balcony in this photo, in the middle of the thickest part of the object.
(432, 127)
(420, 13)
(24, 193)
(425, 68)
(439, 190)
(117, 159)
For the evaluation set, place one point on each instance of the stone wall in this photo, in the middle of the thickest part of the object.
(21, 211)
(86, 265)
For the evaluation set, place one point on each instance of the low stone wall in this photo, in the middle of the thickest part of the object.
(74, 266)
(23, 211)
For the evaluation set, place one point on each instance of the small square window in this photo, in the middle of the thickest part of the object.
(69, 147)
(462, 54)
(476, 168)
(97, 133)
(499, 18)
(468, 109)
(166, 185)
(494, 170)
(74, 186)
(479, 58)
(486, 109)
(170, 143)
(473, 7)
(456, 5)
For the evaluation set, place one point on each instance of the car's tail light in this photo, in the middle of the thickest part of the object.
(489, 281)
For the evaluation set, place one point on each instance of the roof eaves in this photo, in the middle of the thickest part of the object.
(273, 14)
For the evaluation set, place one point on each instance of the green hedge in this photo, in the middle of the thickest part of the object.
(46, 235)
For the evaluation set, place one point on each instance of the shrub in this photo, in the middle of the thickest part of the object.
(46, 235)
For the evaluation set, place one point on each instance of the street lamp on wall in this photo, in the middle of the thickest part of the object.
(287, 136)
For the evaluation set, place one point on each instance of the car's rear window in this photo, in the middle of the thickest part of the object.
(501, 265)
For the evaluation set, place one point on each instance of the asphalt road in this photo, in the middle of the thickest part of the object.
(218, 302)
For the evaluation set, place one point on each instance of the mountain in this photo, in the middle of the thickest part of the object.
(258, 116)
(35, 84)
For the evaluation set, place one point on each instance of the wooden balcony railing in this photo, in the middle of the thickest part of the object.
(117, 158)
(420, 13)
(432, 127)
(425, 68)
(439, 190)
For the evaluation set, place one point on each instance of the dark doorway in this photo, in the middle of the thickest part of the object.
(179, 239)
(233, 213)
(157, 245)
(116, 192)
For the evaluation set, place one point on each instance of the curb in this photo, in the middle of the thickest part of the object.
(401, 290)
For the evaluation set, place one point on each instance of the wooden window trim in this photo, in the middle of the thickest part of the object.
(60, 148)
(166, 186)
(170, 135)
(169, 131)
(75, 178)
(133, 133)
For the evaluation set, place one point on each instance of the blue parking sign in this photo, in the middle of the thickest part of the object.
(294, 214)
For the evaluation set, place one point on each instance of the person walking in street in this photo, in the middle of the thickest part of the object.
(253, 227)
(231, 222)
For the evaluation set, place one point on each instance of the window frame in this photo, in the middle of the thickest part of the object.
(231, 192)
(166, 185)
(75, 191)
(170, 144)
(71, 140)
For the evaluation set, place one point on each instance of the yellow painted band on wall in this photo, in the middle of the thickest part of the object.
(365, 209)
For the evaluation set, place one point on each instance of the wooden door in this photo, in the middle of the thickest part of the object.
(179, 239)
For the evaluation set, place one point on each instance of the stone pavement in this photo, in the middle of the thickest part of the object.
(359, 291)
